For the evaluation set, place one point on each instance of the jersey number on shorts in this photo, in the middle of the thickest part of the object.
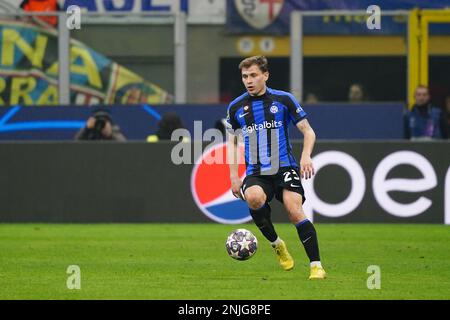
(289, 175)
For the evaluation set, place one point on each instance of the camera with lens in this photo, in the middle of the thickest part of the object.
(100, 121)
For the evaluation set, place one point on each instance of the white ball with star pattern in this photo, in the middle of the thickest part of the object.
(241, 244)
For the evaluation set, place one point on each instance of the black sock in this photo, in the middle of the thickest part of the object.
(308, 237)
(261, 217)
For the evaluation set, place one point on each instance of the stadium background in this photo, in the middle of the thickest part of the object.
(129, 64)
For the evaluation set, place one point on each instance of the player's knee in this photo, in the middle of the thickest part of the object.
(292, 208)
(295, 213)
(255, 200)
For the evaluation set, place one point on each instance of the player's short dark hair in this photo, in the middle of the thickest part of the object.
(259, 61)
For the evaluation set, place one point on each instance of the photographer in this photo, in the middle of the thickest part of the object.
(100, 127)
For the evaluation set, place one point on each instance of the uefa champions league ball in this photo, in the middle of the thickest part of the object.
(241, 244)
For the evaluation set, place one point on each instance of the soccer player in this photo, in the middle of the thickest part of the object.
(262, 116)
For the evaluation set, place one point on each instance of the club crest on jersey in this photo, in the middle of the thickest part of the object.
(245, 108)
(259, 13)
(274, 109)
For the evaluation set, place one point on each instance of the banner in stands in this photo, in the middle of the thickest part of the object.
(273, 16)
(29, 72)
(355, 182)
(198, 11)
(128, 5)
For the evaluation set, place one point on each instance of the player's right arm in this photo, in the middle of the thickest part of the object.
(233, 153)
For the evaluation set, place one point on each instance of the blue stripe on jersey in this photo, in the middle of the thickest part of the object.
(261, 135)
(282, 140)
(293, 161)
(289, 155)
(241, 121)
(302, 112)
(263, 149)
(247, 153)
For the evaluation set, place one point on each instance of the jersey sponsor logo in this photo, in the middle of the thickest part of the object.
(213, 196)
(265, 125)
(274, 109)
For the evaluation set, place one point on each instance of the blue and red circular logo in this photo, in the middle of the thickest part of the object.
(211, 187)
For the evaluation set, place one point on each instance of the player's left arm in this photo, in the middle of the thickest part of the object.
(298, 117)
(309, 138)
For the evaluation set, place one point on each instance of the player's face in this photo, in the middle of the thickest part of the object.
(422, 96)
(254, 80)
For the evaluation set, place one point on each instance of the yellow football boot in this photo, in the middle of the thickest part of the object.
(283, 256)
(317, 273)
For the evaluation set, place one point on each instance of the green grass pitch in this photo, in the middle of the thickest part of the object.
(189, 261)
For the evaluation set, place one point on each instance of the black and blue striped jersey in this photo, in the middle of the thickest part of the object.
(264, 122)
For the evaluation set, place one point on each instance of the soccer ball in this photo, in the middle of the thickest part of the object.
(241, 244)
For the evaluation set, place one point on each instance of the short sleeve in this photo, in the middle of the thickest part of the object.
(231, 124)
(296, 112)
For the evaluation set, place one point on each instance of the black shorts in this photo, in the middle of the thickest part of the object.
(273, 185)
